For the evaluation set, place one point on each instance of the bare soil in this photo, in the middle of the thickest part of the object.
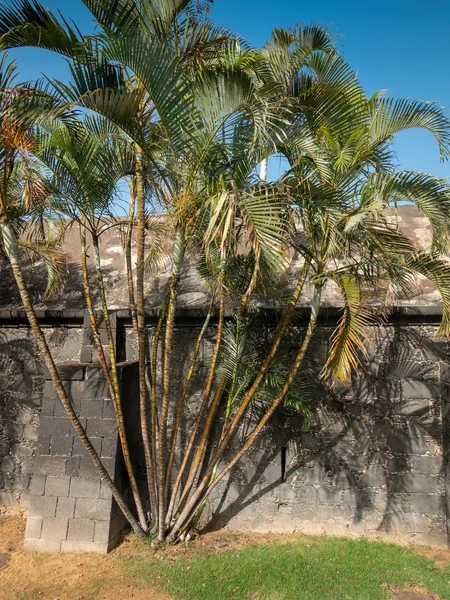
(68, 576)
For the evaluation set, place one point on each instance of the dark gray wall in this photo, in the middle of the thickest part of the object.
(375, 461)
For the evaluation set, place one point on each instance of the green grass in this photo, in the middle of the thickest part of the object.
(307, 569)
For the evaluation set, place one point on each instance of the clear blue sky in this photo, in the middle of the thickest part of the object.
(402, 46)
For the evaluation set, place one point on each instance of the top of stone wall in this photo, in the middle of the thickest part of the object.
(192, 293)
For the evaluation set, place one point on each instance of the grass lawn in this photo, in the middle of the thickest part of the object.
(305, 568)
(225, 566)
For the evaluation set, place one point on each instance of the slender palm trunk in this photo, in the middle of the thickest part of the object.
(116, 386)
(140, 308)
(178, 258)
(200, 414)
(205, 487)
(128, 262)
(197, 461)
(179, 413)
(263, 169)
(11, 251)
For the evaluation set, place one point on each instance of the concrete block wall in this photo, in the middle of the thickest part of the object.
(375, 461)
(22, 380)
(69, 507)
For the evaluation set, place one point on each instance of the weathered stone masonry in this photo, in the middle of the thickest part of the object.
(375, 462)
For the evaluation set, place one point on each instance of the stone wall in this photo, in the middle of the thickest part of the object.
(375, 461)
(22, 379)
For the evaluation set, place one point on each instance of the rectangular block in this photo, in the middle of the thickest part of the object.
(50, 465)
(42, 506)
(91, 407)
(54, 528)
(109, 447)
(61, 445)
(55, 426)
(37, 485)
(57, 486)
(428, 504)
(76, 546)
(89, 508)
(41, 545)
(33, 527)
(101, 427)
(410, 483)
(65, 507)
(101, 531)
(72, 466)
(81, 530)
(84, 488)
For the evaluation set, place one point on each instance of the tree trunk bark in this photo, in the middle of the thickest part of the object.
(140, 307)
(205, 488)
(11, 251)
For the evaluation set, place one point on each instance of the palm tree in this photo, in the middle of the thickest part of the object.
(19, 172)
(203, 110)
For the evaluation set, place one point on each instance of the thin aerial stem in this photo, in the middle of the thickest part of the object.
(195, 466)
(116, 385)
(140, 308)
(179, 413)
(166, 379)
(128, 243)
(205, 487)
(192, 437)
(11, 251)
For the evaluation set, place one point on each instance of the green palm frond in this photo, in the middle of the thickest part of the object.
(348, 342)
(437, 271)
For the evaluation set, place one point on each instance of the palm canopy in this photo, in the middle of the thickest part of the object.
(346, 188)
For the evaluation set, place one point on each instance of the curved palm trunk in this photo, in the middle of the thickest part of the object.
(205, 487)
(11, 251)
(167, 359)
(116, 387)
(140, 308)
(179, 414)
(197, 461)
(199, 417)
(129, 266)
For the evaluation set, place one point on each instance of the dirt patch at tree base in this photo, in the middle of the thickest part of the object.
(413, 595)
(67, 576)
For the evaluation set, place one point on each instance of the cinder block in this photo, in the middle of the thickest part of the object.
(65, 507)
(101, 531)
(43, 445)
(72, 466)
(61, 445)
(57, 486)
(76, 546)
(54, 528)
(84, 488)
(42, 506)
(50, 465)
(101, 427)
(71, 372)
(428, 504)
(108, 409)
(81, 530)
(33, 527)
(55, 426)
(91, 407)
(41, 545)
(90, 508)
(109, 447)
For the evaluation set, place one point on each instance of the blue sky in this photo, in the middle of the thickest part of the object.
(402, 46)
